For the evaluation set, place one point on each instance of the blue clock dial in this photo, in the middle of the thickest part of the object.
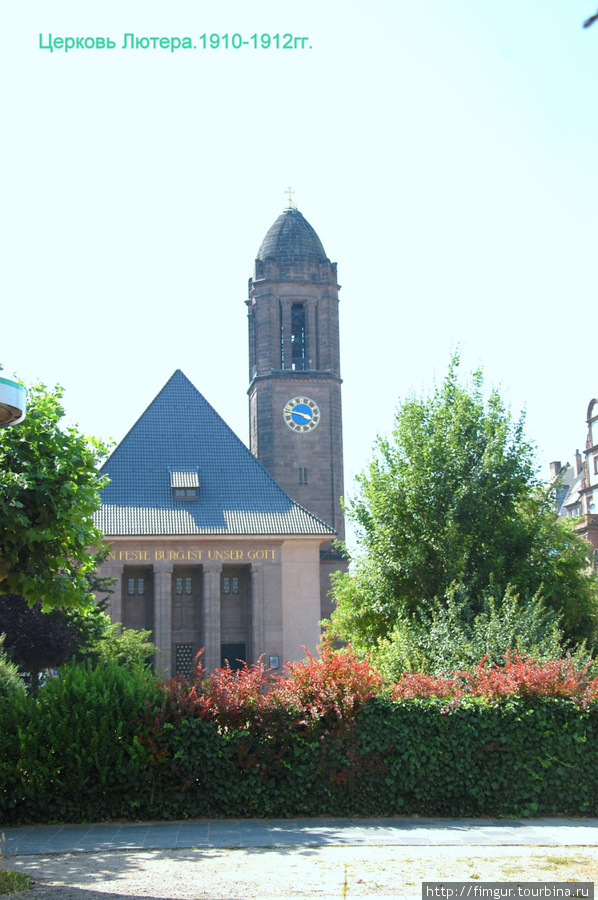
(301, 414)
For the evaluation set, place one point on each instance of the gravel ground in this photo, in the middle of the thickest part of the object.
(318, 872)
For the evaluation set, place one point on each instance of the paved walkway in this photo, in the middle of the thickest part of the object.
(297, 833)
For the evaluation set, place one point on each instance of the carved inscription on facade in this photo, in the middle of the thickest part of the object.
(193, 554)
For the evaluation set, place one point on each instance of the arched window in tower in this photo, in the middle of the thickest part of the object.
(298, 344)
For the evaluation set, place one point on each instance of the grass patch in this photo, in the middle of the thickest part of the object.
(11, 882)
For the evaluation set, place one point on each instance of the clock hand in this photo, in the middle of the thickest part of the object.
(303, 415)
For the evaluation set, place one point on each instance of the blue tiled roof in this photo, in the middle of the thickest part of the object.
(181, 432)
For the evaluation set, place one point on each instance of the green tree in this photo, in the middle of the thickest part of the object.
(128, 647)
(450, 509)
(449, 639)
(49, 491)
(35, 640)
(10, 680)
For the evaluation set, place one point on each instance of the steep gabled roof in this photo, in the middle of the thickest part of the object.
(181, 441)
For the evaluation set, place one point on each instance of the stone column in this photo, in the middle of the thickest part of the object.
(115, 602)
(311, 349)
(163, 618)
(287, 333)
(211, 617)
(258, 640)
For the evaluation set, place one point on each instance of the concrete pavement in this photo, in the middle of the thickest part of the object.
(29, 840)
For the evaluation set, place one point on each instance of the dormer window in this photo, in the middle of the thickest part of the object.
(185, 485)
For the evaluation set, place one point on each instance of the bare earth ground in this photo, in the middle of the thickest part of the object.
(318, 872)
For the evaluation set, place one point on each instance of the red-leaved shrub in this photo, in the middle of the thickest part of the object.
(238, 697)
(180, 698)
(333, 687)
(418, 684)
(521, 677)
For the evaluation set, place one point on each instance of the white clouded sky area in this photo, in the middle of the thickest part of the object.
(444, 151)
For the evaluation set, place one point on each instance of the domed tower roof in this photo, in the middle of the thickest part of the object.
(291, 238)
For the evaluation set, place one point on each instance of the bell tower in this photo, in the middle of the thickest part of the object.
(294, 373)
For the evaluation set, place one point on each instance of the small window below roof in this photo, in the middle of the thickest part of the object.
(185, 493)
(185, 485)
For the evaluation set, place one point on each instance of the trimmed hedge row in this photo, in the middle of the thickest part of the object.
(95, 744)
(67, 753)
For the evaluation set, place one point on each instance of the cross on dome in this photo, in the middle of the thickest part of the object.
(292, 204)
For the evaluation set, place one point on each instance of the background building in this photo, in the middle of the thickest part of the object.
(577, 485)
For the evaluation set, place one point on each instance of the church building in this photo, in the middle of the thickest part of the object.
(219, 546)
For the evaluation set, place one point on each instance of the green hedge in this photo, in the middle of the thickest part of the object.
(513, 757)
(92, 746)
(69, 753)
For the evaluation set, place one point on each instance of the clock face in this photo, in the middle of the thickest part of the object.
(301, 414)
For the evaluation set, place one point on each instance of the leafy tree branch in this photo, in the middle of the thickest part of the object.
(49, 491)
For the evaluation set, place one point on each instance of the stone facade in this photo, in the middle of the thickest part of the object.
(238, 599)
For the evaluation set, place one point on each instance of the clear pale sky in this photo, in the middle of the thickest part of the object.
(444, 150)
